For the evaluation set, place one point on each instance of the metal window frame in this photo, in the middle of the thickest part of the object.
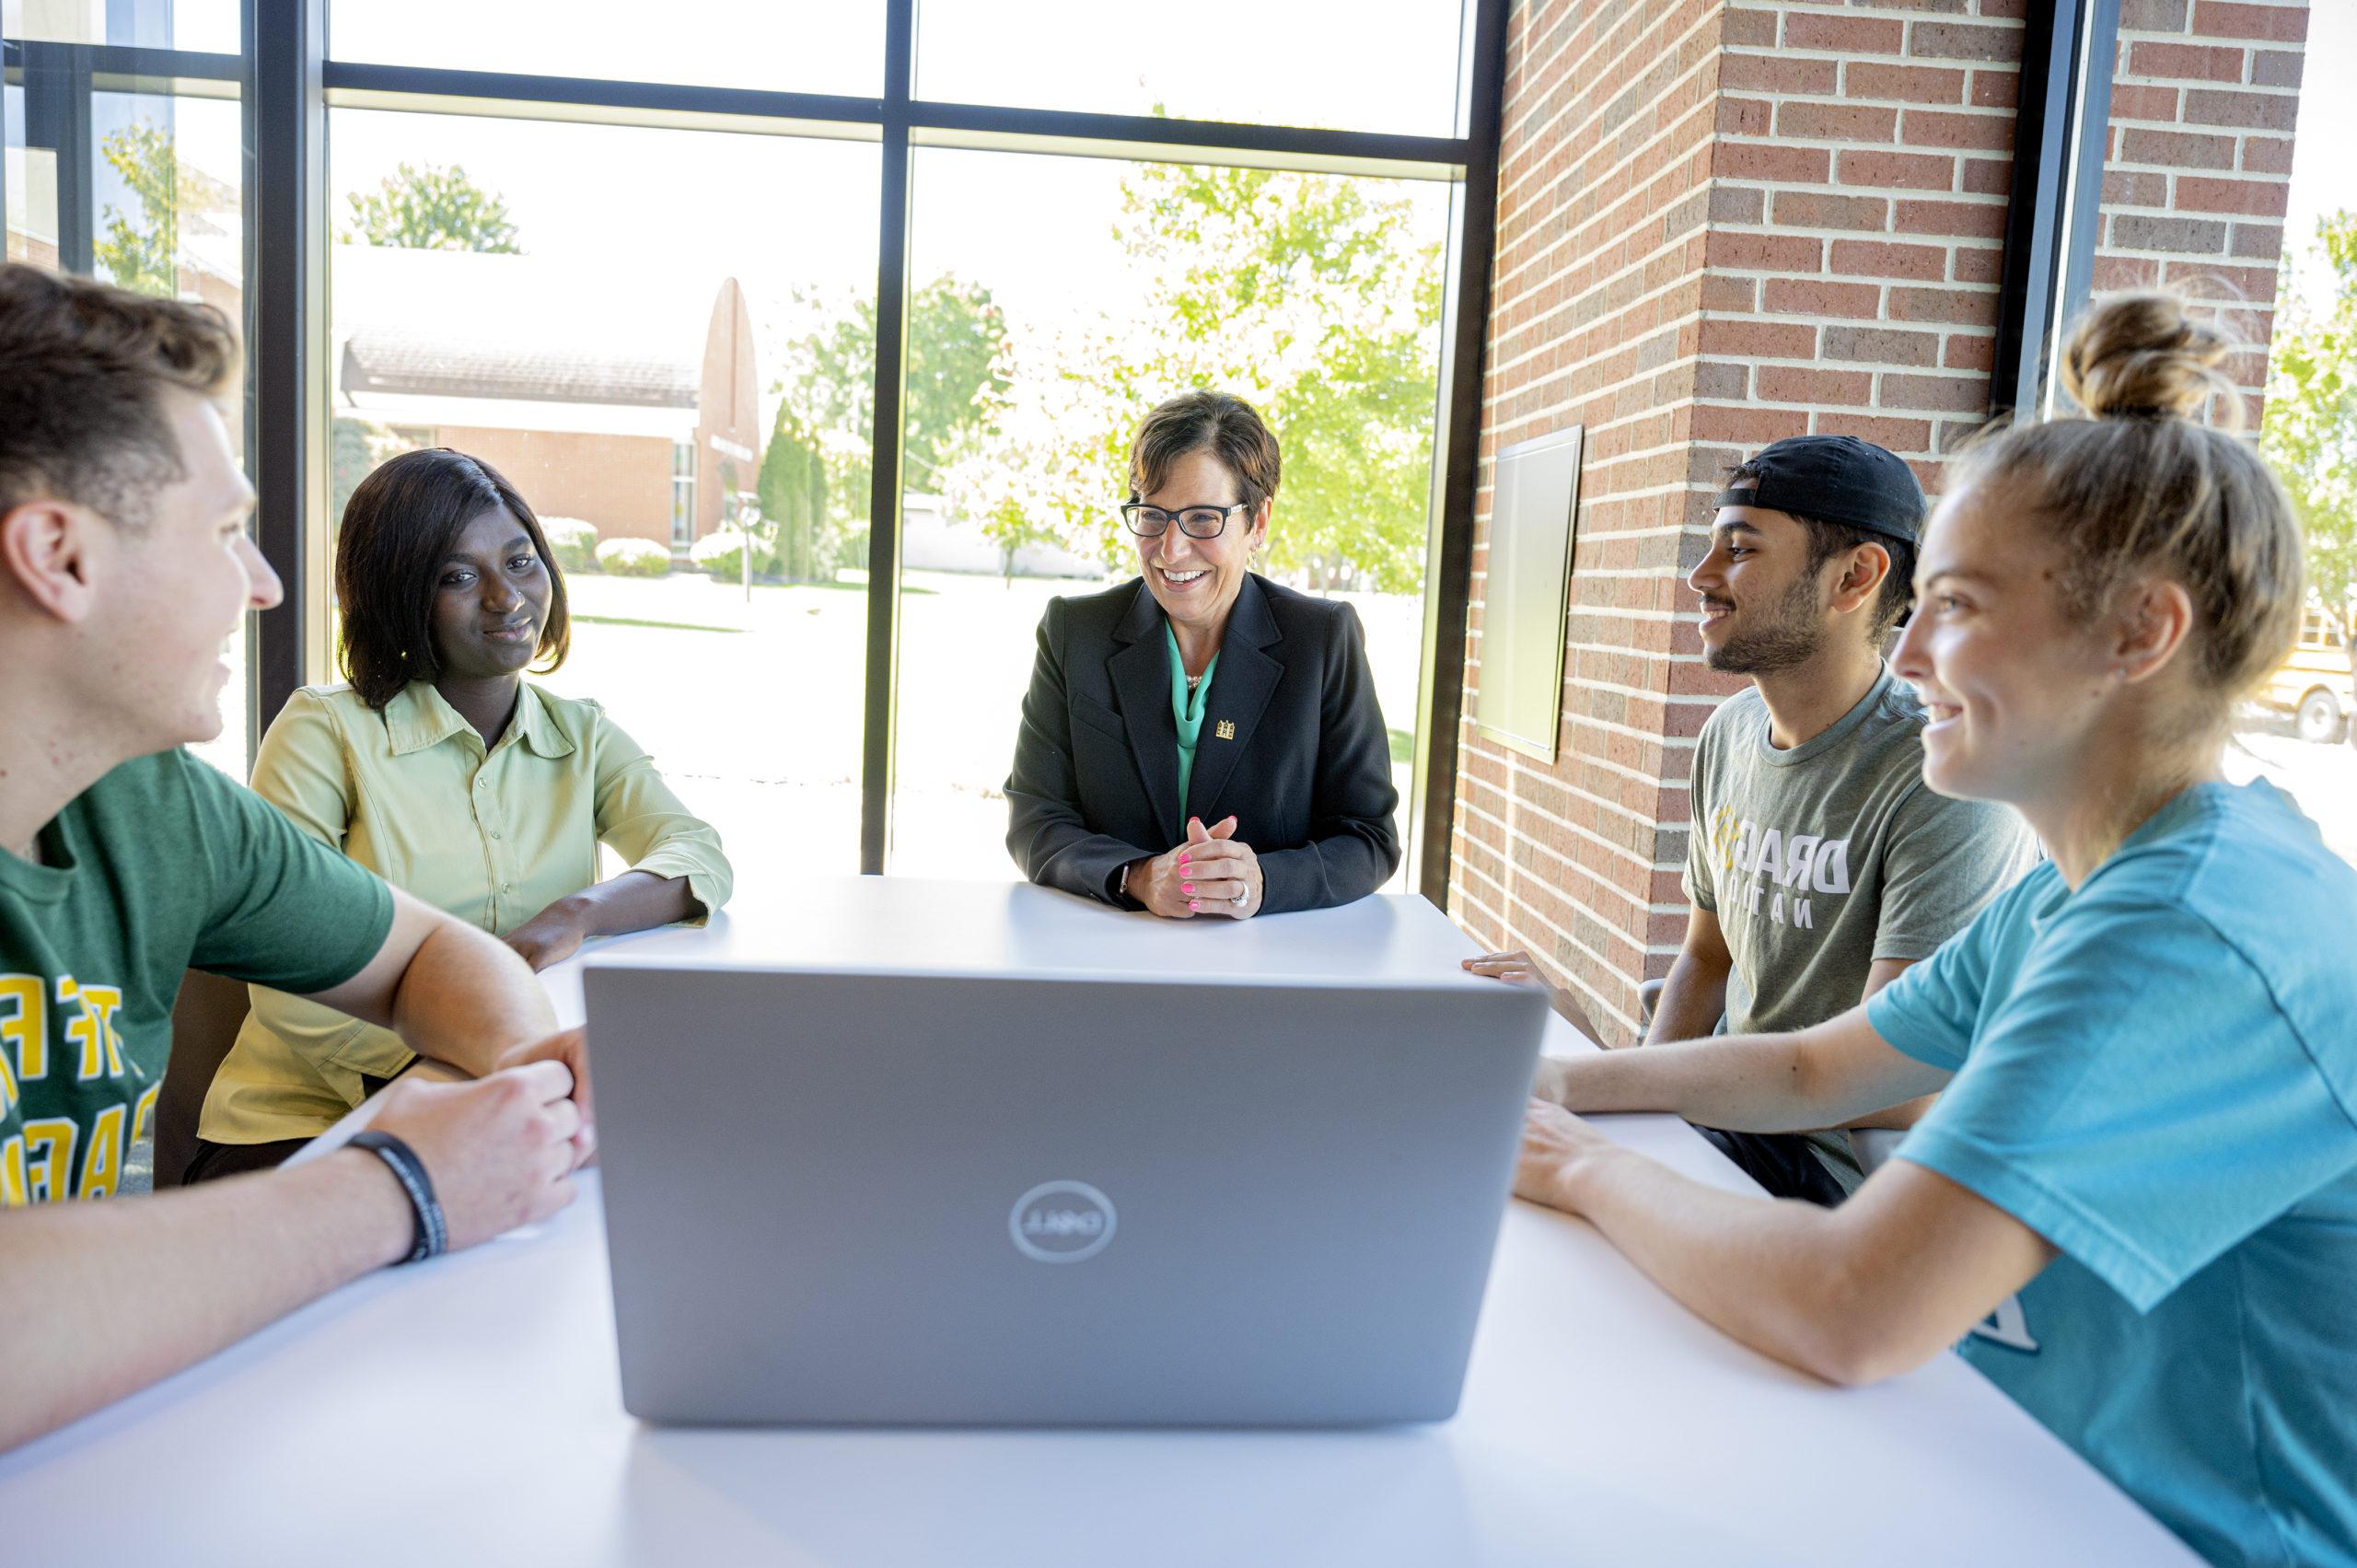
(2069, 51)
(288, 83)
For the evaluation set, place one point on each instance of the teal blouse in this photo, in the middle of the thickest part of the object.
(1187, 709)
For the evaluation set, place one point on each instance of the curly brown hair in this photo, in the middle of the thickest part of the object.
(80, 366)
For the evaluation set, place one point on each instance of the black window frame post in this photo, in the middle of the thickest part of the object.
(1457, 458)
(2060, 133)
(284, 47)
(879, 723)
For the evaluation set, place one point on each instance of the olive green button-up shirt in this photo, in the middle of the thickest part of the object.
(492, 837)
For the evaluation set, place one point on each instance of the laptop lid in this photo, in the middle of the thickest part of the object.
(945, 1199)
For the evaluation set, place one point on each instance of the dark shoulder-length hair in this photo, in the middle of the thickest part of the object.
(398, 526)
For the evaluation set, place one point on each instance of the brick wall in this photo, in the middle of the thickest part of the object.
(1721, 225)
(620, 484)
(2198, 159)
(1603, 213)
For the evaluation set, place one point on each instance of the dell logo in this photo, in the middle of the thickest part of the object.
(1061, 1222)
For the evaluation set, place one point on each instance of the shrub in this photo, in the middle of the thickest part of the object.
(634, 558)
(572, 542)
(722, 554)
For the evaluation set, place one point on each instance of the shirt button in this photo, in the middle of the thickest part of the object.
(494, 832)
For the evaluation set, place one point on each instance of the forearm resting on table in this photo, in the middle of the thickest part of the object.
(467, 998)
(635, 900)
(1827, 1076)
(1852, 1295)
(102, 1299)
(451, 991)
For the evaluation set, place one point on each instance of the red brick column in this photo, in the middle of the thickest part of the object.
(2197, 166)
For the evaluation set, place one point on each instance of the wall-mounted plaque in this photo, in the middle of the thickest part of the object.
(1527, 599)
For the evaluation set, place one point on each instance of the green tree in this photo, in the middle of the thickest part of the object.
(142, 256)
(431, 208)
(1313, 297)
(955, 378)
(792, 490)
(2309, 434)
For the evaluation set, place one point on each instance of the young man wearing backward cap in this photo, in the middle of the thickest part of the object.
(1818, 866)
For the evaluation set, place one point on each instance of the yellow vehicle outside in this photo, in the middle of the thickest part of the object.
(2313, 685)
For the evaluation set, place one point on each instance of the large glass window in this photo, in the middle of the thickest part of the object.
(1340, 64)
(657, 337)
(1034, 348)
(201, 26)
(833, 48)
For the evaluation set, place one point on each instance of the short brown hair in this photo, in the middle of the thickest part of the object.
(2139, 487)
(80, 365)
(1219, 423)
(398, 528)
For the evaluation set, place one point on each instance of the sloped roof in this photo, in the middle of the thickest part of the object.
(520, 328)
(434, 358)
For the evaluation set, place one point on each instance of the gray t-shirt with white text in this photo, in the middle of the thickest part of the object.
(1820, 859)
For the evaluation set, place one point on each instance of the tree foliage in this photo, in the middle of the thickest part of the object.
(792, 490)
(1311, 297)
(431, 208)
(956, 377)
(143, 254)
(2309, 434)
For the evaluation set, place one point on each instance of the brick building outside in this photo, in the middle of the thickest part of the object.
(637, 412)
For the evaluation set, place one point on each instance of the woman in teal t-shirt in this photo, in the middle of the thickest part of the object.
(2135, 1199)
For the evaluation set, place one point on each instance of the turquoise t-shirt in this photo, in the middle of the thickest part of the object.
(2157, 1073)
(1186, 710)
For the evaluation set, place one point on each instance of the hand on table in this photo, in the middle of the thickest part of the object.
(1201, 876)
(500, 1151)
(1554, 1144)
(1517, 967)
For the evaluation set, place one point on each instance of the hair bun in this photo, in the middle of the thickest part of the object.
(2139, 356)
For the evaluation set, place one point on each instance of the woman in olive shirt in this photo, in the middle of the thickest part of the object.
(441, 769)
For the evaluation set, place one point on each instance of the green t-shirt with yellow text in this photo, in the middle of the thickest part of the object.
(162, 865)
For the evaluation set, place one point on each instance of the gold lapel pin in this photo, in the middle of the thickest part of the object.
(1226, 730)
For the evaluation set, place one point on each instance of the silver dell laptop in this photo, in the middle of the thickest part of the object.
(928, 1199)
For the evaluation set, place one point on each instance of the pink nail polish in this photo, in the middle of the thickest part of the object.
(1186, 886)
(1191, 904)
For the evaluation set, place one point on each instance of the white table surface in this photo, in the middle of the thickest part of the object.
(469, 1410)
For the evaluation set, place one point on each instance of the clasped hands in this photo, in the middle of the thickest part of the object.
(1201, 876)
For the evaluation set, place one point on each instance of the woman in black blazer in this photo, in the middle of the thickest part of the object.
(1202, 694)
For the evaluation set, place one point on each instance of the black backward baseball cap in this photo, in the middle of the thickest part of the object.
(1838, 478)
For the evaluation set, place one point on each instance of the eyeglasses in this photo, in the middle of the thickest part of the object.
(1195, 522)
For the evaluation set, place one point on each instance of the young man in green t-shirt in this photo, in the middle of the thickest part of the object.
(125, 565)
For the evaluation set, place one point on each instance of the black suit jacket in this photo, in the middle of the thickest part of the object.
(1306, 773)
